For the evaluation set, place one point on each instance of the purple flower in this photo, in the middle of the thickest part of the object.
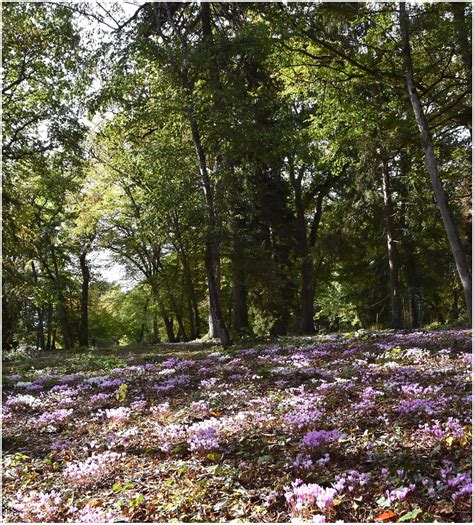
(38, 506)
(52, 418)
(203, 436)
(317, 438)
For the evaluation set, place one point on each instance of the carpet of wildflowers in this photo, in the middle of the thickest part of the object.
(343, 428)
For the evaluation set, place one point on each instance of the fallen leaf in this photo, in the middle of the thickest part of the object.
(385, 516)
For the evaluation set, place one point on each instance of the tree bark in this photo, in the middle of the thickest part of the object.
(169, 327)
(49, 327)
(40, 340)
(393, 257)
(156, 333)
(239, 298)
(432, 167)
(306, 266)
(211, 257)
(63, 314)
(84, 323)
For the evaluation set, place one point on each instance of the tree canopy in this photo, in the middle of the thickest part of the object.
(256, 168)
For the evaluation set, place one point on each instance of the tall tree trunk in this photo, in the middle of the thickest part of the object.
(211, 257)
(409, 261)
(63, 313)
(194, 316)
(307, 296)
(240, 319)
(461, 33)
(40, 340)
(177, 311)
(49, 327)
(169, 327)
(84, 323)
(393, 257)
(64, 323)
(167, 319)
(156, 333)
(53, 340)
(413, 287)
(431, 164)
(306, 266)
(239, 299)
(141, 334)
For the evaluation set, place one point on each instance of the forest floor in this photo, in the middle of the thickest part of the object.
(347, 427)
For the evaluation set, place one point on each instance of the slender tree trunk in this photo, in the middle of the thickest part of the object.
(179, 318)
(49, 327)
(240, 320)
(64, 323)
(53, 340)
(141, 334)
(462, 30)
(84, 323)
(307, 296)
(167, 319)
(40, 340)
(306, 266)
(211, 257)
(194, 316)
(409, 255)
(431, 164)
(239, 299)
(62, 306)
(393, 257)
(413, 287)
(169, 327)
(156, 332)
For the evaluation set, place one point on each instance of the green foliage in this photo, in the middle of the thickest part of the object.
(121, 394)
(248, 149)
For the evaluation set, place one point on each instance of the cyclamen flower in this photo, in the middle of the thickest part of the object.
(303, 461)
(200, 408)
(101, 397)
(170, 435)
(118, 415)
(138, 404)
(301, 497)
(203, 436)
(93, 468)
(94, 515)
(400, 493)
(160, 409)
(23, 401)
(70, 378)
(59, 445)
(38, 506)
(304, 416)
(320, 437)
(23, 384)
(173, 383)
(52, 418)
